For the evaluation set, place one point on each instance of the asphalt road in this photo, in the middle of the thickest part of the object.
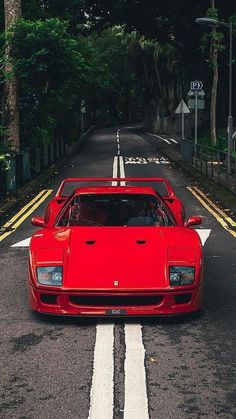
(147, 368)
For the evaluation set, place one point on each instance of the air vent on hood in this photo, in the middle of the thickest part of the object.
(141, 242)
(91, 242)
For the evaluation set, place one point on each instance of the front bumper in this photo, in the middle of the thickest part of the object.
(71, 303)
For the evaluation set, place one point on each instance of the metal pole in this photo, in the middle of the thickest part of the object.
(196, 122)
(182, 109)
(230, 118)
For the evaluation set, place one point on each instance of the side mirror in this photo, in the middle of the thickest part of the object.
(193, 221)
(38, 222)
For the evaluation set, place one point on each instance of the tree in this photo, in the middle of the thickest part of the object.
(214, 62)
(214, 40)
(12, 13)
(55, 71)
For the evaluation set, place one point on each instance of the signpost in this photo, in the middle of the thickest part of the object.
(196, 91)
(182, 109)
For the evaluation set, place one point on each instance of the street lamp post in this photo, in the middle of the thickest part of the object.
(215, 22)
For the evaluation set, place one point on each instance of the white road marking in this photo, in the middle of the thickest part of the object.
(174, 141)
(22, 243)
(136, 401)
(142, 160)
(122, 170)
(102, 390)
(115, 170)
(203, 234)
(158, 136)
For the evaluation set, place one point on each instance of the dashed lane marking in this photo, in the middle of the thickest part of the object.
(102, 390)
(173, 140)
(24, 213)
(220, 216)
(160, 138)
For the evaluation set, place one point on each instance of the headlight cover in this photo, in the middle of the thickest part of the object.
(50, 275)
(181, 275)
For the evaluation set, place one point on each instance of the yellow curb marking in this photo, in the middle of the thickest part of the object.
(15, 221)
(221, 219)
(224, 215)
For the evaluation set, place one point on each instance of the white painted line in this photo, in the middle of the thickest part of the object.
(118, 146)
(22, 243)
(115, 170)
(122, 170)
(174, 141)
(203, 234)
(102, 390)
(136, 401)
(158, 136)
(118, 152)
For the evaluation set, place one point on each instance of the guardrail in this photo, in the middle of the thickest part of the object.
(210, 161)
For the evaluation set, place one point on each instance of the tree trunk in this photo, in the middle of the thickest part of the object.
(12, 13)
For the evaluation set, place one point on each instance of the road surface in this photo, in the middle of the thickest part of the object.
(160, 368)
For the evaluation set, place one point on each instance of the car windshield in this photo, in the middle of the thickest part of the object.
(115, 210)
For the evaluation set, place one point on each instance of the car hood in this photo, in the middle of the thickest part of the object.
(121, 258)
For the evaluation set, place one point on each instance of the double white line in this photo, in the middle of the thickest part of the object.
(102, 390)
(118, 170)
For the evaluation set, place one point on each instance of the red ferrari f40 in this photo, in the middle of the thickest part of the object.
(115, 247)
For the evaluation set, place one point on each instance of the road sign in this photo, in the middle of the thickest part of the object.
(196, 85)
(182, 108)
(200, 104)
(200, 93)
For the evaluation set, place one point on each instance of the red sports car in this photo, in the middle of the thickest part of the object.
(111, 247)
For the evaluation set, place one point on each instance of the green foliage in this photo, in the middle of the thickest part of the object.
(221, 143)
(5, 151)
(120, 82)
(55, 71)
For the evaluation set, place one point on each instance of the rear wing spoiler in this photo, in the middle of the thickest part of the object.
(69, 185)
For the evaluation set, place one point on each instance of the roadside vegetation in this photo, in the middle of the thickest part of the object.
(80, 62)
